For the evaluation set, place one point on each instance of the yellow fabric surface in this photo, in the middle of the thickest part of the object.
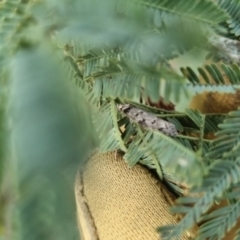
(120, 202)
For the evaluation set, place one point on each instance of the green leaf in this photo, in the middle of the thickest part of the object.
(49, 133)
(220, 180)
(203, 11)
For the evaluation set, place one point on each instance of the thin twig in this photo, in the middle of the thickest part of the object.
(228, 49)
(148, 120)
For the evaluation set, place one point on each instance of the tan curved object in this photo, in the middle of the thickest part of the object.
(115, 202)
(216, 102)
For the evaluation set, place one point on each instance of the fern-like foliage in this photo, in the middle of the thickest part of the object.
(219, 222)
(233, 24)
(151, 146)
(120, 77)
(226, 145)
(213, 188)
(141, 146)
(223, 175)
(113, 73)
(214, 77)
(128, 73)
(120, 54)
(110, 136)
(203, 11)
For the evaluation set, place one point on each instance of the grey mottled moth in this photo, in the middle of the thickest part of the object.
(148, 120)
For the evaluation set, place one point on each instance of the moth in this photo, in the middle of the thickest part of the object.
(148, 120)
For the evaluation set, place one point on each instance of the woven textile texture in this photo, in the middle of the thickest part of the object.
(117, 202)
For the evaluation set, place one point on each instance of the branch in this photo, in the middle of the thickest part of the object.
(148, 120)
(228, 49)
